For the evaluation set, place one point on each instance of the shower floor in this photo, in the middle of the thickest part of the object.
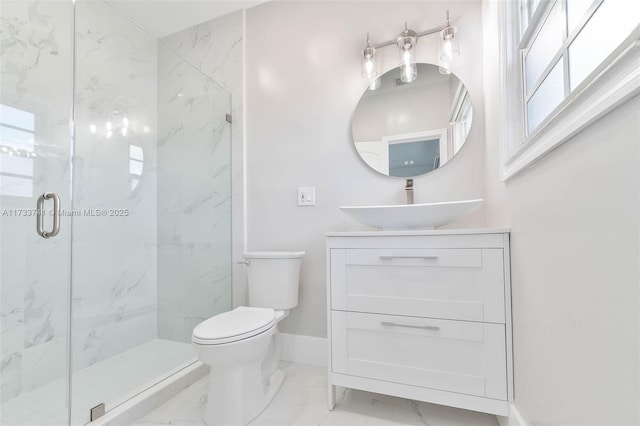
(111, 381)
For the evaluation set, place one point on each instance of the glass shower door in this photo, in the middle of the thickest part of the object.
(35, 152)
(152, 164)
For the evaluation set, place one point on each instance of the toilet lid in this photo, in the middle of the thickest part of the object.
(238, 324)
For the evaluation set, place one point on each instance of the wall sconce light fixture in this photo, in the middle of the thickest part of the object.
(369, 68)
(449, 46)
(406, 42)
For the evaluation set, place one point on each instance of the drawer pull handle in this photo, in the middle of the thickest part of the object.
(389, 257)
(424, 327)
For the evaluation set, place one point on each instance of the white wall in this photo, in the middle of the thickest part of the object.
(575, 220)
(575, 227)
(301, 94)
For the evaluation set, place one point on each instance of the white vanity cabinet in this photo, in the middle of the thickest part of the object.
(424, 315)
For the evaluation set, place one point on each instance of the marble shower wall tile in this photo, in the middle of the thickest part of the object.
(195, 173)
(39, 360)
(10, 375)
(216, 48)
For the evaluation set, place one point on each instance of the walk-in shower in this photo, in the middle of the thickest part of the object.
(134, 142)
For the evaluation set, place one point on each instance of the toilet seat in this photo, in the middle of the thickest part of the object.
(238, 324)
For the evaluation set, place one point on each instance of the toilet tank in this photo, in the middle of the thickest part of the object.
(273, 278)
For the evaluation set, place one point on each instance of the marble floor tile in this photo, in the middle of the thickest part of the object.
(111, 381)
(302, 400)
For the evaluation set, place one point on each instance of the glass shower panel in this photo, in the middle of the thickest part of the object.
(194, 202)
(35, 150)
(152, 176)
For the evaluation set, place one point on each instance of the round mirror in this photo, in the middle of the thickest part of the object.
(409, 129)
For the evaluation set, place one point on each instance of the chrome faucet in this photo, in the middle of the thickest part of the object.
(409, 188)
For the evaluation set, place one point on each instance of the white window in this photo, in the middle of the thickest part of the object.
(17, 142)
(557, 52)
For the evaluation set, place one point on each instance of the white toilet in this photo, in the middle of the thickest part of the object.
(242, 346)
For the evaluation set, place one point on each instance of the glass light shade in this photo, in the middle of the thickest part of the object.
(369, 67)
(449, 46)
(375, 84)
(408, 67)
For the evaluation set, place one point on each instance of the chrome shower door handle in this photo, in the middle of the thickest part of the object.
(40, 215)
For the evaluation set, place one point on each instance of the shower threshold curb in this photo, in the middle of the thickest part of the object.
(151, 398)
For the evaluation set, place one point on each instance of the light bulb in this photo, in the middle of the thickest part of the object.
(449, 48)
(109, 133)
(406, 58)
(368, 65)
(407, 41)
(124, 131)
(109, 125)
(125, 122)
(93, 128)
(447, 51)
(369, 69)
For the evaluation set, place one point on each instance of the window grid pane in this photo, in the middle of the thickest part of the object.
(527, 10)
(610, 24)
(596, 37)
(575, 11)
(14, 138)
(544, 47)
(546, 98)
(16, 165)
(17, 118)
(16, 186)
(135, 167)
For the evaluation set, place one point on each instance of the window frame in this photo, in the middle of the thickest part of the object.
(610, 84)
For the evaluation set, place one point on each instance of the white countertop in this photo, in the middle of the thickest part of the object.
(418, 232)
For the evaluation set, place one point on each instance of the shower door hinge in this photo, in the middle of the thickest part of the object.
(229, 118)
(97, 411)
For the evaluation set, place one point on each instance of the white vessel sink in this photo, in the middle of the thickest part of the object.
(411, 216)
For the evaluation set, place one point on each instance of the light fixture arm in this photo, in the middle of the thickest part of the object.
(420, 34)
(406, 43)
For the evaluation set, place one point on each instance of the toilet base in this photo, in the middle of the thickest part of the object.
(226, 386)
(244, 378)
(273, 386)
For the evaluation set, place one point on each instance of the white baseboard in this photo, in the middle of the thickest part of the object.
(514, 419)
(303, 349)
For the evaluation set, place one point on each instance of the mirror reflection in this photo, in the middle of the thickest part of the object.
(409, 129)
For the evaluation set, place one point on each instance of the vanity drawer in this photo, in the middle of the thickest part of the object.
(461, 284)
(454, 356)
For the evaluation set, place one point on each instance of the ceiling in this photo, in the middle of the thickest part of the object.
(164, 17)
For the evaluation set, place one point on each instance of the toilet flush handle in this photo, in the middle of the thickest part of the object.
(243, 262)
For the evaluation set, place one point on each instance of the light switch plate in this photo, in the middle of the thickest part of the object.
(307, 196)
